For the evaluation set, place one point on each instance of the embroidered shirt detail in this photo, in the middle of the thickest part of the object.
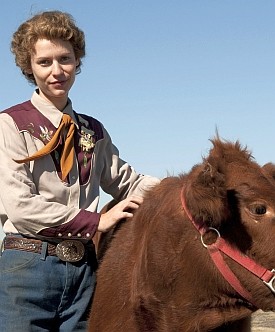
(46, 134)
(28, 118)
(86, 142)
(90, 131)
(30, 128)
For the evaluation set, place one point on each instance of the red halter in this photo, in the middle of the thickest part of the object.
(215, 249)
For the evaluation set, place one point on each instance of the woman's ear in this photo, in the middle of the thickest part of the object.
(28, 71)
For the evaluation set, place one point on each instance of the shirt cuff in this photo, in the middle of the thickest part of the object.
(82, 226)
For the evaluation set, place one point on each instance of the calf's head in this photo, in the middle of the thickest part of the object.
(231, 192)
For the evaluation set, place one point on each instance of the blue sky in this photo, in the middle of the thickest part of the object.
(163, 74)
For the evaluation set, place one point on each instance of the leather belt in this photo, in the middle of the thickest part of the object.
(67, 250)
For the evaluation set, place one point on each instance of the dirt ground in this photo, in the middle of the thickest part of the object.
(263, 321)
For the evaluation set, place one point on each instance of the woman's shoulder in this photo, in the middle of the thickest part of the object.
(28, 118)
(89, 123)
(26, 106)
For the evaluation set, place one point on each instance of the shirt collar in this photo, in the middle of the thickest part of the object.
(50, 111)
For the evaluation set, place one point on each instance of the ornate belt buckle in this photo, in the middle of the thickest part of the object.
(70, 250)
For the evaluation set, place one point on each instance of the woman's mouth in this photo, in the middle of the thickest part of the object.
(58, 83)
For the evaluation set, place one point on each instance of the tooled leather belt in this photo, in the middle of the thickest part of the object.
(67, 250)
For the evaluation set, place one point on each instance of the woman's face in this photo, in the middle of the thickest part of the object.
(53, 65)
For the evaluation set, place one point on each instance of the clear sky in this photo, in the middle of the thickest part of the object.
(163, 74)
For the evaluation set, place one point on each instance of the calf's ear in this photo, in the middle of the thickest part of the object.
(269, 171)
(206, 195)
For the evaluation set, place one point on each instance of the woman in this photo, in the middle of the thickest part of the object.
(53, 162)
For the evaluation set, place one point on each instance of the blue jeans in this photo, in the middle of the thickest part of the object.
(43, 293)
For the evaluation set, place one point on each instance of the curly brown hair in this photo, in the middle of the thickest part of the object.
(46, 25)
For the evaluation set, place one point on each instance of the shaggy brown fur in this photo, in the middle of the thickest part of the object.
(157, 276)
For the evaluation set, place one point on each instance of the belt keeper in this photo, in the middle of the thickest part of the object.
(44, 251)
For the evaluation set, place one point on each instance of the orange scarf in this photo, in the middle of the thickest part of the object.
(67, 156)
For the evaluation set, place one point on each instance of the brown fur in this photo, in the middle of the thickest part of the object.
(157, 276)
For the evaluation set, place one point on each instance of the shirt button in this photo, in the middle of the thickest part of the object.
(59, 234)
(69, 234)
(88, 235)
(79, 235)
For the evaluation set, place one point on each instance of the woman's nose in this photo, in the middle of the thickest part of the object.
(57, 68)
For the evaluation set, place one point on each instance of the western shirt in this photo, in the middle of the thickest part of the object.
(34, 201)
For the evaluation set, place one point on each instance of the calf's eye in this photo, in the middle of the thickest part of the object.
(257, 209)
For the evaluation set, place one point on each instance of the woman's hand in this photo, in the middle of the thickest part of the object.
(120, 211)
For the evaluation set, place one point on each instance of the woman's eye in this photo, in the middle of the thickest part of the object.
(44, 62)
(258, 209)
(65, 59)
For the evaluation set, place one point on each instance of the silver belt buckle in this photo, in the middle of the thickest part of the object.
(70, 250)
